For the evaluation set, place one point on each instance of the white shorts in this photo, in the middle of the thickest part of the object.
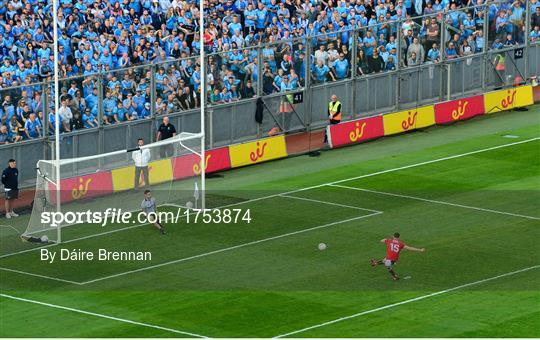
(388, 263)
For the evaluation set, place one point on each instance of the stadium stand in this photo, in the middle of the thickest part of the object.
(125, 48)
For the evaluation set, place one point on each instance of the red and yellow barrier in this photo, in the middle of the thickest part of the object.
(355, 131)
(189, 165)
(508, 99)
(408, 120)
(103, 183)
(123, 178)
(441, 113)
(106, 182)
(258, 151)
(82, 187)
(452, 111)
(158, 172)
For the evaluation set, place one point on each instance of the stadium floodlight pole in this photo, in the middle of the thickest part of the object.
(56, 115)
(203, 99)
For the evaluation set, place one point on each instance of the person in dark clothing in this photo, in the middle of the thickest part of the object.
(10, 180)
(298, 63)
(375, 62)
(187, 100)
(165, 131)
(76, 123)
(268, 80)
(45, 70)
(248, 91)
(535, 18)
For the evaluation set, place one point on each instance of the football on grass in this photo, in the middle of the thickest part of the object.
(322, 246)
(44, 239)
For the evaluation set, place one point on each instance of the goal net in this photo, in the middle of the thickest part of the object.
(98, 193)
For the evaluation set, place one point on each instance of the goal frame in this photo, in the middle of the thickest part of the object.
(180, 138)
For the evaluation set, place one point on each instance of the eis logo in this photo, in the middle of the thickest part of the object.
(197, 166)
(258, 153)
(460, 110)
(82, 189)
(358, 132)
(410, 121)
(509, 100)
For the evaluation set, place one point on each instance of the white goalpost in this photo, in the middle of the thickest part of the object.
(202, 101)
(57, 180)
(56, 108)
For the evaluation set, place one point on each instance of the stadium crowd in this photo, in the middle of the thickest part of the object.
(102, 40)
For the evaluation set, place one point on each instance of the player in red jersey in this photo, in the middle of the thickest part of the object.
(393, 247)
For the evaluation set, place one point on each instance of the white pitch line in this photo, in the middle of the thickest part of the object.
(90, 236)
(39, 275)
(28, 250)
(375, 212)
(329, 203)
(330, 183)
(230, 248)
(384, 171)
(438, 202)
(193, 335)
(75, 239)
(405, 302)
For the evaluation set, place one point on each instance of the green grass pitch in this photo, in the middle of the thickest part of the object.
(469, 193)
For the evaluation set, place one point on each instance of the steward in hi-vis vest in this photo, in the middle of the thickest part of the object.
(500, 62)
(334, 114)
(500, 68)
(334, 110)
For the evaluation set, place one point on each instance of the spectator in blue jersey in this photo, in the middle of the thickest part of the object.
(160, 77)
(383, 53)
(32, 127)
(369, 44)
(225, 96)
(286, 85)
(502, 25)
(497, 44)
(5, 138)
(98, 37)
(434, 54)
(109, 105)
(89, 120)
(278, 79)
(516, 16)
(535, 20)
(479, 41)
(321, 72)
(341, 67)
(535, 34)
(390, 63)
(139, 100)
(145, 112)
(451, 51)
(120, 113)
(250, 18)
(509, 41)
